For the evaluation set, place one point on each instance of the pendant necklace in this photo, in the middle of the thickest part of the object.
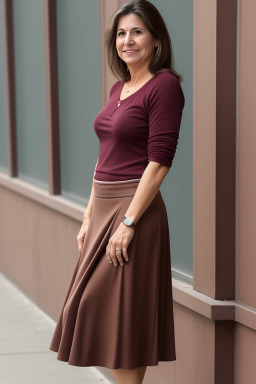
(119, 101)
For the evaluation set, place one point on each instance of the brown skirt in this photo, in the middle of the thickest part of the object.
(119, 317)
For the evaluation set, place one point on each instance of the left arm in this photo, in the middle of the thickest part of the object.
(165, 105)
(147, 189)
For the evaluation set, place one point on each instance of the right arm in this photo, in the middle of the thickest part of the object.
(88, 211)
(86, 218)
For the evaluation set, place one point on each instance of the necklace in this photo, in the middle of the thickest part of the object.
(127, 91)
(119, 101)
(131, 87)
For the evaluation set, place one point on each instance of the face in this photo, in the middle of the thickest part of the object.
(133, 35)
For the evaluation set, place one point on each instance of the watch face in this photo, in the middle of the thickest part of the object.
(128, 221)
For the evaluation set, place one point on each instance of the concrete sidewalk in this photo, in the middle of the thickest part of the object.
(25, 334)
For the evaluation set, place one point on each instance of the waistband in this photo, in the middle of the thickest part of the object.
(114, 182)
(115, 189)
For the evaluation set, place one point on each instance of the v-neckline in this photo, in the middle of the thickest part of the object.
(134, 93)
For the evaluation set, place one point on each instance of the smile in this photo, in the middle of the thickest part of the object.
(130, 52)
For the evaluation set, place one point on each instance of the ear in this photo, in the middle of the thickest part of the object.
(156, 42)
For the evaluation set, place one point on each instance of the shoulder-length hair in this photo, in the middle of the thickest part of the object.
(163, 57)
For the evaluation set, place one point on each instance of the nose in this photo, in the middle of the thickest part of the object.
(127, 39)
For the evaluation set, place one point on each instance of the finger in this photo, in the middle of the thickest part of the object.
(81, 235)
(119, 255)
(125, 254)
(108, 253)
(83, 244)
(113, 255)
(80, 242)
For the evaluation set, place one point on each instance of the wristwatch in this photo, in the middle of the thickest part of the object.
(128, 221)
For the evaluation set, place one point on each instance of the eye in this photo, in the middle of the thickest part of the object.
(136, 30)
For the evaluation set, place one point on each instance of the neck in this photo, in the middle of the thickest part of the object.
(138, 75)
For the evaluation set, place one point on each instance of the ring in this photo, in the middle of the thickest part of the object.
(118, 250)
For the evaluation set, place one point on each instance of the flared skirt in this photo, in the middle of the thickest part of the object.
(119, 317)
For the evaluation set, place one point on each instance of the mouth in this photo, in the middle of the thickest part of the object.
(131, 51)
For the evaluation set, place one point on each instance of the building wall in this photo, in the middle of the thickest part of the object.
(45, 147)
(245, 338)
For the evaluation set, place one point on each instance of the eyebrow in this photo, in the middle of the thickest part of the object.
(132, 28)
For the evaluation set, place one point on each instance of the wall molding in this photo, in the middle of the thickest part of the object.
(55, 202)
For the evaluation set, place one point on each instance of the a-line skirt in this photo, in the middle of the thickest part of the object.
(119, 317)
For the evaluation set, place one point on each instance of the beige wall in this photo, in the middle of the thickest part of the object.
(246, 156)
(245, 338)
(38, 248)
(244, 354)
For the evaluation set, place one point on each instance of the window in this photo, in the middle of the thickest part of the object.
(177, 188)
(28, 24)
(78, 37)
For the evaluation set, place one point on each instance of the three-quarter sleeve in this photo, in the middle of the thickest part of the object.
(166, 103)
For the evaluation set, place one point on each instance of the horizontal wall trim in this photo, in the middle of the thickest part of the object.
(180, 275)
(187, 296)
(56, 202)
(183, 293)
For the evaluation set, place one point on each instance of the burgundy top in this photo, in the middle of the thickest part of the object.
(141, 128)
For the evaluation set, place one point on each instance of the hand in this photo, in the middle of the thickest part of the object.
(82, 233)
(119, 240)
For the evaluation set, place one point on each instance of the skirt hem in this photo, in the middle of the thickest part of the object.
(113, 366)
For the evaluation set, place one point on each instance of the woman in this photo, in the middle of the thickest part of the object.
(118, 311)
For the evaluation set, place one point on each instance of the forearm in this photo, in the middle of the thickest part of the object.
(88, 211)
(147, 189)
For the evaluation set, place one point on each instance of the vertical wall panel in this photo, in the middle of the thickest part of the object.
(3, 117)
(52, 106)
(78, 39)
(30, 90)
(177, 188)
(246, 157)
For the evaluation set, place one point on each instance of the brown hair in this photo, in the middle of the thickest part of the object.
(163, 57)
